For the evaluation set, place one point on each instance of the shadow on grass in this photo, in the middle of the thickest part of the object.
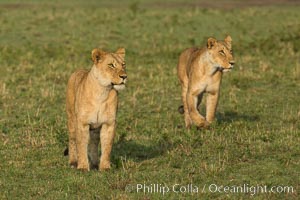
(137, 152)
(125, 149)
(235, 116)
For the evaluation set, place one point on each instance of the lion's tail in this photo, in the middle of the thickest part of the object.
(66, 152)
(181, 109)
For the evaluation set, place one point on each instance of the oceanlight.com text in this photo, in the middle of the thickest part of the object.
(164, 189)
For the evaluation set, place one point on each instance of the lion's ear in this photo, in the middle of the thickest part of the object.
(97, 55)
(121, 52)
(211, 42)
(228, 40)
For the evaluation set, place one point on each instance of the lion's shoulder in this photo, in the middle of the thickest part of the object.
(77, 78)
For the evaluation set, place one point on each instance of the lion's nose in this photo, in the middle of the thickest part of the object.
(123, 77)
(231, 62)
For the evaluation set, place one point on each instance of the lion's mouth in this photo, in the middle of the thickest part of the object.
(223, 69)
(122, 83)
(226, 70)
(119, 87)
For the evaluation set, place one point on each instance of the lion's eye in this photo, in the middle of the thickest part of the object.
(124, 65)
(222, 53)
(231, 52)
(111, 65)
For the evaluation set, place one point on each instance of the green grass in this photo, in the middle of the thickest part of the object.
(255, 140)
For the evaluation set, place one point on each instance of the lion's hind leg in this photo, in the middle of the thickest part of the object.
(93, 148)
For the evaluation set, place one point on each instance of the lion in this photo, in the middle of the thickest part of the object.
(91, 105)
(200, 71)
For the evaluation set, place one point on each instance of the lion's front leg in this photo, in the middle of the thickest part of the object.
(82, 140)
(107, 138)
(197, 118)
(72, 142)
(187, 118)
(211, 106)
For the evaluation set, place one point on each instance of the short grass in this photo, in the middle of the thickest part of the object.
(255, 140)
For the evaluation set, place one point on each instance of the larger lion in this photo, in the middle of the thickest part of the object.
(91, 105)
(200, 71)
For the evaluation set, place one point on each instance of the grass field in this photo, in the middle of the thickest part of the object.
(255, 140)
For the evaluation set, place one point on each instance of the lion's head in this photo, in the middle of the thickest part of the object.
(220, 53)
(109, 68)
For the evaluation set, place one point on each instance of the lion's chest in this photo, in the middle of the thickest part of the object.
(213, 84)
(100, 115)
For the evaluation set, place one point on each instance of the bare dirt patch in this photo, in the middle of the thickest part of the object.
(222, 4)
(218, 4)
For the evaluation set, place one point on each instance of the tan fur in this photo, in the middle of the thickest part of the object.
(200, 71)
(91, 106)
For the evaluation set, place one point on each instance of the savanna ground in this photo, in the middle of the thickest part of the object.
(255, 140)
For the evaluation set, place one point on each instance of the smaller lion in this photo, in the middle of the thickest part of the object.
(200, 71)
(91, 105)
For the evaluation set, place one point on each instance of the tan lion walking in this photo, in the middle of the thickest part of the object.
(200, 71)
(91, 106)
